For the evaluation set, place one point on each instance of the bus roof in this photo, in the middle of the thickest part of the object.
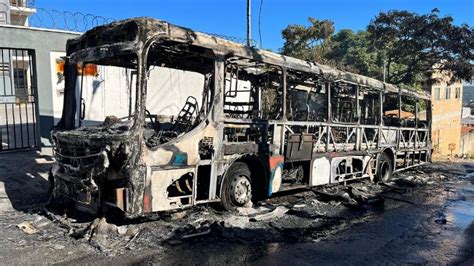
(137, 32)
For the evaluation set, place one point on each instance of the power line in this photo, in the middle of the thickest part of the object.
(249, 21)
(259, 23)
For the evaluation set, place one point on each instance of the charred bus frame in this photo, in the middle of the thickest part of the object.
(266, 123)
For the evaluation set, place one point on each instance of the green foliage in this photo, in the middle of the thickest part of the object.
(308, 43)
(350, 51)
(416, 45)
(412, 46)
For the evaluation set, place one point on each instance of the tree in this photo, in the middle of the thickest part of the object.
(308, 43)
(414, 46)
(345, 50)
(351, 52)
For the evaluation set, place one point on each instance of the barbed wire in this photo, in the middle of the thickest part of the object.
(240, 40)
(80, 22)
(66, 20)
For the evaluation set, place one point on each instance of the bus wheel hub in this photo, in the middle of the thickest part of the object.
(241, 190)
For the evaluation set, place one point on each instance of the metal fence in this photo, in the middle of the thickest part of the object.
(18, 93)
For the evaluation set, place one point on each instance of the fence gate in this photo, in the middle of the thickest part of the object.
(18, 93)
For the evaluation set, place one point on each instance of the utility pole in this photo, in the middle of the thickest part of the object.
(249, 26)
(384, 69)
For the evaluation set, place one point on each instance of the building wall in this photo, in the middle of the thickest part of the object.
(43, 42)
(4, 11)
(106, 93)
(110, 91)
(446, 122)
(468, 92)
(467, 142)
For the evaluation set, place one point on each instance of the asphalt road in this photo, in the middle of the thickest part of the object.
(427, 216)
(437, 227)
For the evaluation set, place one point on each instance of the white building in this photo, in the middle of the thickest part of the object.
(16, 12)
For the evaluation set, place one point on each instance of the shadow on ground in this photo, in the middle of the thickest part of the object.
(467, 251)
(23, 180)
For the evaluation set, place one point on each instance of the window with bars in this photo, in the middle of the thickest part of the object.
(21, 88)
(458, 93)
(437, 93)
(19, 3)
(4, 69)
(448, 93)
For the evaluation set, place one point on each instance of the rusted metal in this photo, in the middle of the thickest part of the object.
(291, 123)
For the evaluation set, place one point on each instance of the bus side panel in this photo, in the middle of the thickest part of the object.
(184, 151)
(276, 170)
(171, 188)
(320, 171)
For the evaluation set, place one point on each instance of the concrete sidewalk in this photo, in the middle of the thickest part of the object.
(24, 179)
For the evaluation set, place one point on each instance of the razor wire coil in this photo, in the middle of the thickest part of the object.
(240, 40)
(66, 20)
(81, 22)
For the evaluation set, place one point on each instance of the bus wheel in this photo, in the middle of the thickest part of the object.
(237, 187)
(385, 168)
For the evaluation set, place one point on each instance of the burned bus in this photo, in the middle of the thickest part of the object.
(159, 117)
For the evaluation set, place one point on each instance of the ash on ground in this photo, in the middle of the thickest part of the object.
(308, 216)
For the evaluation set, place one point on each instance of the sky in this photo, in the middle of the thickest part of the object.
(228, 17)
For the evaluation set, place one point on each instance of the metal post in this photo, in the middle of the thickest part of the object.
(380, 125)
(384, 69)
(284, 107)
(249, 27)
(329, 115)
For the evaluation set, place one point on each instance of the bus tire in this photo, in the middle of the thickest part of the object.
(236, 187)
(385, 168)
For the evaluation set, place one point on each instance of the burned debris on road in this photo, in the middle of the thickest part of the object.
(309, 216)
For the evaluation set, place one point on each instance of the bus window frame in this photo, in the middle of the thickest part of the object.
(288, 104)
(282, 74)
(379, 112)
(356, 97)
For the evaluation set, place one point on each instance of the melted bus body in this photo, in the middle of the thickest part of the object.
(186, 118)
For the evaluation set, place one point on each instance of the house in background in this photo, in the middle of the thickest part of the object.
(468, 95)
(467, 139)
(16, 12)
(32, 47)
(446, 100)
(467, 131)
(28, 50)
